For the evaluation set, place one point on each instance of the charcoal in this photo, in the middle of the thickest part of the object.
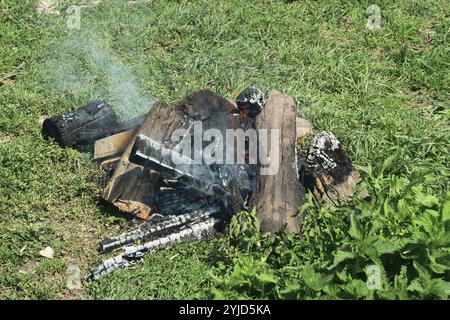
(250, 101)
(198, 229)
(155, 227)
(179, 201)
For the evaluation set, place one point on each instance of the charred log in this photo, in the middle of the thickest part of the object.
(154, 227)
(327, 170)
(177, 201)
(133, 188)
(198, 177)
(200, 228)
(81, 128)
(153, 149)
(250, 101)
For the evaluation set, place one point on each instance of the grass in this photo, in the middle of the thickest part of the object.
(383, 93)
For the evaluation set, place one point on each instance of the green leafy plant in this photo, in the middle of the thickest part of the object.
(406, 239)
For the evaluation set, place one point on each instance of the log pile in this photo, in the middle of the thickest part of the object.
(181, 195)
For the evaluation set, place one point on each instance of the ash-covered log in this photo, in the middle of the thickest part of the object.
(250, 101)
(279, 194)
(327, 170)
(156, 226)
(200, 225)
(82, 127)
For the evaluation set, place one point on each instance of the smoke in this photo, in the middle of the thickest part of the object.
(87, 68)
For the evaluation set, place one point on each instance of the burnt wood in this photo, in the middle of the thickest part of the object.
(82, 127)
(230, 182)
(134, 188)
(327, 170)
(279, 196)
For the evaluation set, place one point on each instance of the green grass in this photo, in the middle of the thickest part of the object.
(383, 93)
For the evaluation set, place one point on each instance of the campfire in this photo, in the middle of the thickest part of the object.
(186, 168)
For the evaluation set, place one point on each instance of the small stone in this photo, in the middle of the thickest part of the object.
(47, 252)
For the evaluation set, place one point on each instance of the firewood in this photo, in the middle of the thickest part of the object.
(328, 172)
(199, 228)
(82, 127)
(113, 145)
(155, 227)
(279, 195)
(212, 111)
(133, 188)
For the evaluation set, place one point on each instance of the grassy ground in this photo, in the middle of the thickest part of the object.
(383, 93)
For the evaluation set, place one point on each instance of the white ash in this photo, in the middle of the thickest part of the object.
(321, 144)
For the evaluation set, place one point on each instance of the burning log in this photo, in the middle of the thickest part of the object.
(152, 150)
(132, 187)
(81, 128)
(327, 171)
(279, 195)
